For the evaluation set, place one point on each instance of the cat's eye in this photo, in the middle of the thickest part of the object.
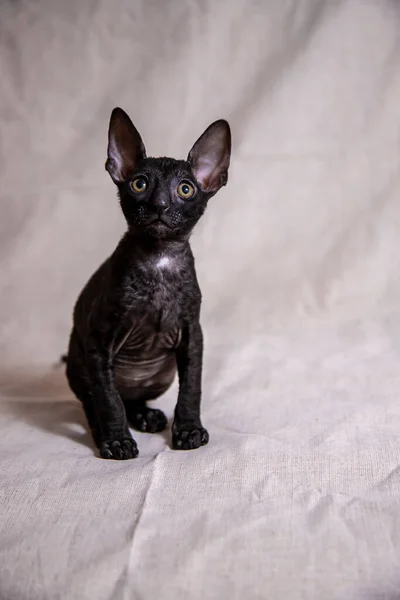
(139, 185)
(185, 190)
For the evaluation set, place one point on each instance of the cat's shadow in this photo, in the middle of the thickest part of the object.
(44, 401)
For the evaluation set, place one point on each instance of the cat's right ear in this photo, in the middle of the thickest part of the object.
(125, 147)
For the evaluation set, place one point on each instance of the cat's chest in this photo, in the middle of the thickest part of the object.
(160, 286)
(157, 295)
(154, 323)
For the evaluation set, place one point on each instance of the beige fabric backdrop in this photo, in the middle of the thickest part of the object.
(297, 496)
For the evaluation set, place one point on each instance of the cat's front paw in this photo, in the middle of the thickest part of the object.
(189, 438)
(122, 448)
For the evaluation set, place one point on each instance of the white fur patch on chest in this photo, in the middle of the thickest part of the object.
(164, 262)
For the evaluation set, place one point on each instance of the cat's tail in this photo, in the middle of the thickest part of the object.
(61, 361)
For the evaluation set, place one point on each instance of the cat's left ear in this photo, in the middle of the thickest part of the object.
(210, 156)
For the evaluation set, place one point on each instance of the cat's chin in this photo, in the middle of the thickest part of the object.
(159, 230)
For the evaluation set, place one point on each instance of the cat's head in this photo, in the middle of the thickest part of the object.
(162, 197)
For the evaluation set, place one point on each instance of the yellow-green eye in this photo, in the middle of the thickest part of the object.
(139, 185)
(185, 190)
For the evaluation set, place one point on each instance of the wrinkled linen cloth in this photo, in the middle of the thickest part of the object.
(297, 495)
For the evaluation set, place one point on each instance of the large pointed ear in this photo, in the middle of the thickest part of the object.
(209, 158)
(125, 146)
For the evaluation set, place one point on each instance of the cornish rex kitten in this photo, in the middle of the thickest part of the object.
(137, 320)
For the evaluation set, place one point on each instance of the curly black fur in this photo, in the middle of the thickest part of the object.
(137, 320)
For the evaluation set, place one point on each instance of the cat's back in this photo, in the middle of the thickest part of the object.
(92, 293)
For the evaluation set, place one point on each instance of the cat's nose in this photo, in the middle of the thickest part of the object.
(160, 206)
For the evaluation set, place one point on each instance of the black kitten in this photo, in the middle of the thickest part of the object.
(137, 319)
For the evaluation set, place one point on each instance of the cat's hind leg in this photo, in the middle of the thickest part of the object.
(144, 418)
